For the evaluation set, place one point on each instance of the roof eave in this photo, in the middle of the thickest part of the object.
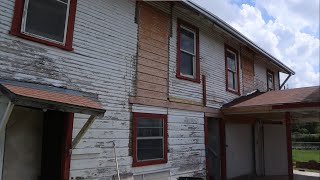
(226, 27)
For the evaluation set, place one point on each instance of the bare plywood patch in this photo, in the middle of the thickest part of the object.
(247, 62)
(152, 64)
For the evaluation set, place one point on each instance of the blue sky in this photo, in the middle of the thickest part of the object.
(288, 29)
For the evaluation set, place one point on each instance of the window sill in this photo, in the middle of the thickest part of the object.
(148, 163)
(233, 91)
(41, 41)
(197, 80)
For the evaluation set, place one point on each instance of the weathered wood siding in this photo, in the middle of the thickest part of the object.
(212, 64)
(102, 62)
(247, 70)
(260, 74)
(186, 156)
(152, 63)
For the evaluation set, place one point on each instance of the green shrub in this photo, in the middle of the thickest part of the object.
(305, 137)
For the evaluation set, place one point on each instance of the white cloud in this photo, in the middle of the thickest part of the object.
(289, 31)
(297, 14)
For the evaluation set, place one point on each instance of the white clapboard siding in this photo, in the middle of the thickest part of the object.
(186, 147)
(212, 65)
(102, 62)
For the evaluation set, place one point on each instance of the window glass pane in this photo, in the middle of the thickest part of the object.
(230, 80)
(232, 64)
(186, 63)
(231, 55)
(270, 81)
(149, 149)
(148, 122)
(47, 18)
(149, 132)
(186, 40)
(150, 127)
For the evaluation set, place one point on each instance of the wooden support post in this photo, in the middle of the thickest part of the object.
(223, 149)
(206, 134)
(289, 145)
(83, 130)
(204, 89)
(4, 119)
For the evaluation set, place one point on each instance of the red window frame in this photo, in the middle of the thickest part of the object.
(226, 48)
(196, 30)
(17, 21)
(137, 163)
(273, 83)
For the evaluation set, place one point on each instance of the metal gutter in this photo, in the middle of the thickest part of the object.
(226, 27)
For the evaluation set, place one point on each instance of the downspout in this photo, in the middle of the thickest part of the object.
(284, 82)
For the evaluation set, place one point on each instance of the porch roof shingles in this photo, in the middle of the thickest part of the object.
(288, 96)
(307, 97)
(53, 96)
(47, 97)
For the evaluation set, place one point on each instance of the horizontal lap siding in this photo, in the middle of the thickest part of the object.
(102, 62)
(177, 87)
(212, 63)
(213, 66)
(152, 63)
(260, 77)
(186, 155)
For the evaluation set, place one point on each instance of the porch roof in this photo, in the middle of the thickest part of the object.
(307, 98)
(49, 97)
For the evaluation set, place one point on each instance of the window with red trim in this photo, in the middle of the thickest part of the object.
(232, 70)
(149, 139)
(270, 80)
(188, 63)
(49, 22)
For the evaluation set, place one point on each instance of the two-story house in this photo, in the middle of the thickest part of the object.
(101, 89)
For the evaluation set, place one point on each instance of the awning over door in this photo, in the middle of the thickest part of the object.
(48, 97)
(16, 93)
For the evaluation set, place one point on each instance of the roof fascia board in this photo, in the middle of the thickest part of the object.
(50, 105)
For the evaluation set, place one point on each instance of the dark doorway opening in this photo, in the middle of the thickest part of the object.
(213, 149)
(56, 144)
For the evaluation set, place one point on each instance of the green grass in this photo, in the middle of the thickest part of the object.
(306, 155)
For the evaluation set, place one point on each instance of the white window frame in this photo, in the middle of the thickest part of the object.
(194, 58)
(235, 72)
(24, 20)
(151, 137)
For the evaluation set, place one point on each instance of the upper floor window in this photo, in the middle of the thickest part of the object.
(188, 64)
(232, 70)
(46, 21)
(270, 80)
(149, 139)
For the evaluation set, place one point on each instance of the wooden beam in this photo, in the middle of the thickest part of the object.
(174, 105)
(83, 130)
(289, 145)
(6, 116)
(247, 110)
